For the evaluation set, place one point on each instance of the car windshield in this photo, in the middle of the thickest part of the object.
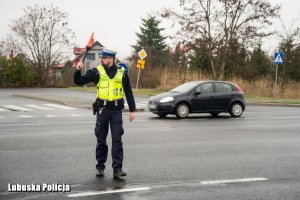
(184, 87)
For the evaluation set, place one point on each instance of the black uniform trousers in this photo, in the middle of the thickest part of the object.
(112, 118)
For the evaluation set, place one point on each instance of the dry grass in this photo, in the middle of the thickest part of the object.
(169, 78)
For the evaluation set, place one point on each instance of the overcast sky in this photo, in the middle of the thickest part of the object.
(115, 22)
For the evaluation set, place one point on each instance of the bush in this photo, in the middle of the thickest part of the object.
(15, 73)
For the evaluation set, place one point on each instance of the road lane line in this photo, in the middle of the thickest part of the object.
(17, 108)
(46, 123)
(25, 116)
(216, 182)
(39, 107)
(76, 115)
(137, 104)
(141, 104)
(92, 193)
(51, 116)
(42, 134)
(3, 110)
(288, 117)
(59, 106)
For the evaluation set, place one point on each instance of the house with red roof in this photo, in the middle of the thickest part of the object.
(91, 59)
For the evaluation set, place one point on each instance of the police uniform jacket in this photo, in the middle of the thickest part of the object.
(92, 75)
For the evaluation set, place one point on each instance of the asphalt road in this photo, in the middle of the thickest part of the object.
(164, 158)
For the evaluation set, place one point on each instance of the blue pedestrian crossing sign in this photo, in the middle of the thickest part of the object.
(278, 58)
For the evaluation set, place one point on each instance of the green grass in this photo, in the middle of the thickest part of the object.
(260, 99)
(152, 92)
(148, 92)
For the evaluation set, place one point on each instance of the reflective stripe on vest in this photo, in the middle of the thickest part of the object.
(110, 89)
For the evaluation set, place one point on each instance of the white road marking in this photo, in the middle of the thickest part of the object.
(232, 181)
(25, 116)
(76, 115)
(215, 182)
(288, 117)
(51, 116)
(140, 104)
(1, 117)
(59, 106)
(18, 108)
(39, 107)
(53, 123)
(91, 193)
(3, 110)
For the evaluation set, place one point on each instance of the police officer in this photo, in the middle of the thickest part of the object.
(112, 83)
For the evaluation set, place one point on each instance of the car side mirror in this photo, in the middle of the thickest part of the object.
(196, 93)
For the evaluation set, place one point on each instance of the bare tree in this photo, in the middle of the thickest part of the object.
(41, 36)
(220, 22)
(290, 46)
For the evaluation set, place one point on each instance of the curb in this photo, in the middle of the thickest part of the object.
(272, 104)
(65, 101)
(87, 105)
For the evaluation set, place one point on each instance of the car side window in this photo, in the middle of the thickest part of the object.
(205, 88)
(223, 87)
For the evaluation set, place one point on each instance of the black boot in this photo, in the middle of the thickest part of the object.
(100, 172)
(118, 173)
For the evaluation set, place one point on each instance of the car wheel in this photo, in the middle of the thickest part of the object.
(162, 115)
(214, 114)
(236, 110)
(182, 110)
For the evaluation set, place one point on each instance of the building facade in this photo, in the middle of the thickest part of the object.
(92, 59)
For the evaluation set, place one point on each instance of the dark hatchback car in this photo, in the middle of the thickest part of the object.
(211, 97)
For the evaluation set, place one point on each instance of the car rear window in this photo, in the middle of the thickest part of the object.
(223, 87)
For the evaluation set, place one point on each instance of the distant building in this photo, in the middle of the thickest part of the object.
(91, 59)
(57, 70)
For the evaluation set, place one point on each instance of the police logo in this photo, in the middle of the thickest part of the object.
(116, 91)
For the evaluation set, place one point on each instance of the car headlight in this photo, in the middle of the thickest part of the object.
(166, 99)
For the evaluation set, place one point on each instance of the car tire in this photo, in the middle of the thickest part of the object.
(182, 110)
(161, 115)
(214, 114)
(236, 110)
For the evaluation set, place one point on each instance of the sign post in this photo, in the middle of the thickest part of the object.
(278, 60)
(137, 82)
(140, 64)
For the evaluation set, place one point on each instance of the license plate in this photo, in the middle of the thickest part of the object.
(152, 106)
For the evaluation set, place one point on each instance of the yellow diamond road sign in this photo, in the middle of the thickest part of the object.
(142, 54)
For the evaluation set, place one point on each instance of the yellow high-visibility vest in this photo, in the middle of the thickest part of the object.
(110, 89)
